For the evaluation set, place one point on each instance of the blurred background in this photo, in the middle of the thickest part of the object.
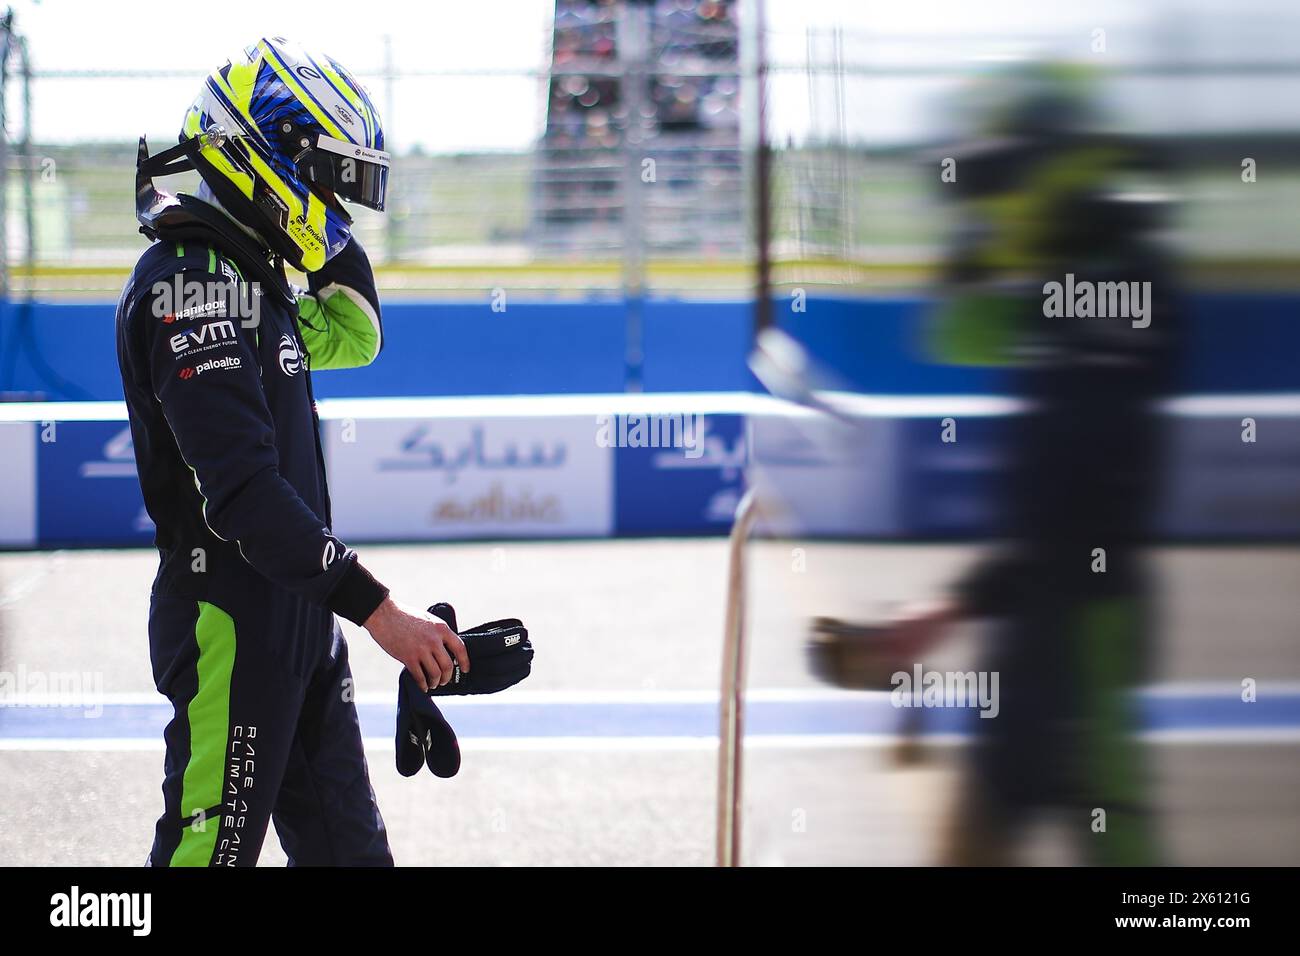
(595, 209)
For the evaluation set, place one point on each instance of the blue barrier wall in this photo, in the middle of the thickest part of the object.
(1242, 343)
(877, 346)
(73, 340)
(1234, 343)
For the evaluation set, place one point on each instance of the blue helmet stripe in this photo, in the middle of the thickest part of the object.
(305, 89)
(270, 94)
(365, 122)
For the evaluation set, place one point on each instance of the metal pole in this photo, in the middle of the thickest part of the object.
(842, 150)
(6, 44)
(762, 181)
(29, 170)
(731, 731)
(392, 241)
(732, 710)
(634, 50)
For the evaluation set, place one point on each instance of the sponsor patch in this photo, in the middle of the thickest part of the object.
(212, 365)
(195, 311)
(204, 337)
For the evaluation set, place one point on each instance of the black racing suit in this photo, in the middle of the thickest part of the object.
(242, 634)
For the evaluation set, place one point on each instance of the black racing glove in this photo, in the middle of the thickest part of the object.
(500, 655)
(423, 734)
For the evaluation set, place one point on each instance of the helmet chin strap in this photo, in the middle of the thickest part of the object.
(178, 159)
(181, 158)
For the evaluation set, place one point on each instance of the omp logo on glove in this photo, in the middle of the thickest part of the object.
(500, 655)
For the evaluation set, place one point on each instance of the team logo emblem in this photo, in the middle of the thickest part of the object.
(290, 357)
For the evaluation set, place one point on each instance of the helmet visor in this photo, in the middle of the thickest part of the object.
(350, 172)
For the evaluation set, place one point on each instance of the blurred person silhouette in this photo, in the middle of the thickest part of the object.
(1042, 198)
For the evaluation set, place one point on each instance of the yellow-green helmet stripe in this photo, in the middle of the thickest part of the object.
(233, 91)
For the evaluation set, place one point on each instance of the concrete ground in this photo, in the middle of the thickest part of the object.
(639, 622)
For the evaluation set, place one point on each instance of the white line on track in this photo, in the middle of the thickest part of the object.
(641, 696)
(1267, 736)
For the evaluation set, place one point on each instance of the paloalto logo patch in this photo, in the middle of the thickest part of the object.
(212, 365)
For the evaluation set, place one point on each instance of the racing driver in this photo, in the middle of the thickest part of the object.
(215, 349)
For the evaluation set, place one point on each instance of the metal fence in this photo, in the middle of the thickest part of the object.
(468, 222)
(566, 218)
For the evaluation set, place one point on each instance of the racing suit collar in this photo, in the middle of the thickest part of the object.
(206, 195)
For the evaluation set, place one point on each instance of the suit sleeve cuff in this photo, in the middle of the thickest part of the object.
(357, 594)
